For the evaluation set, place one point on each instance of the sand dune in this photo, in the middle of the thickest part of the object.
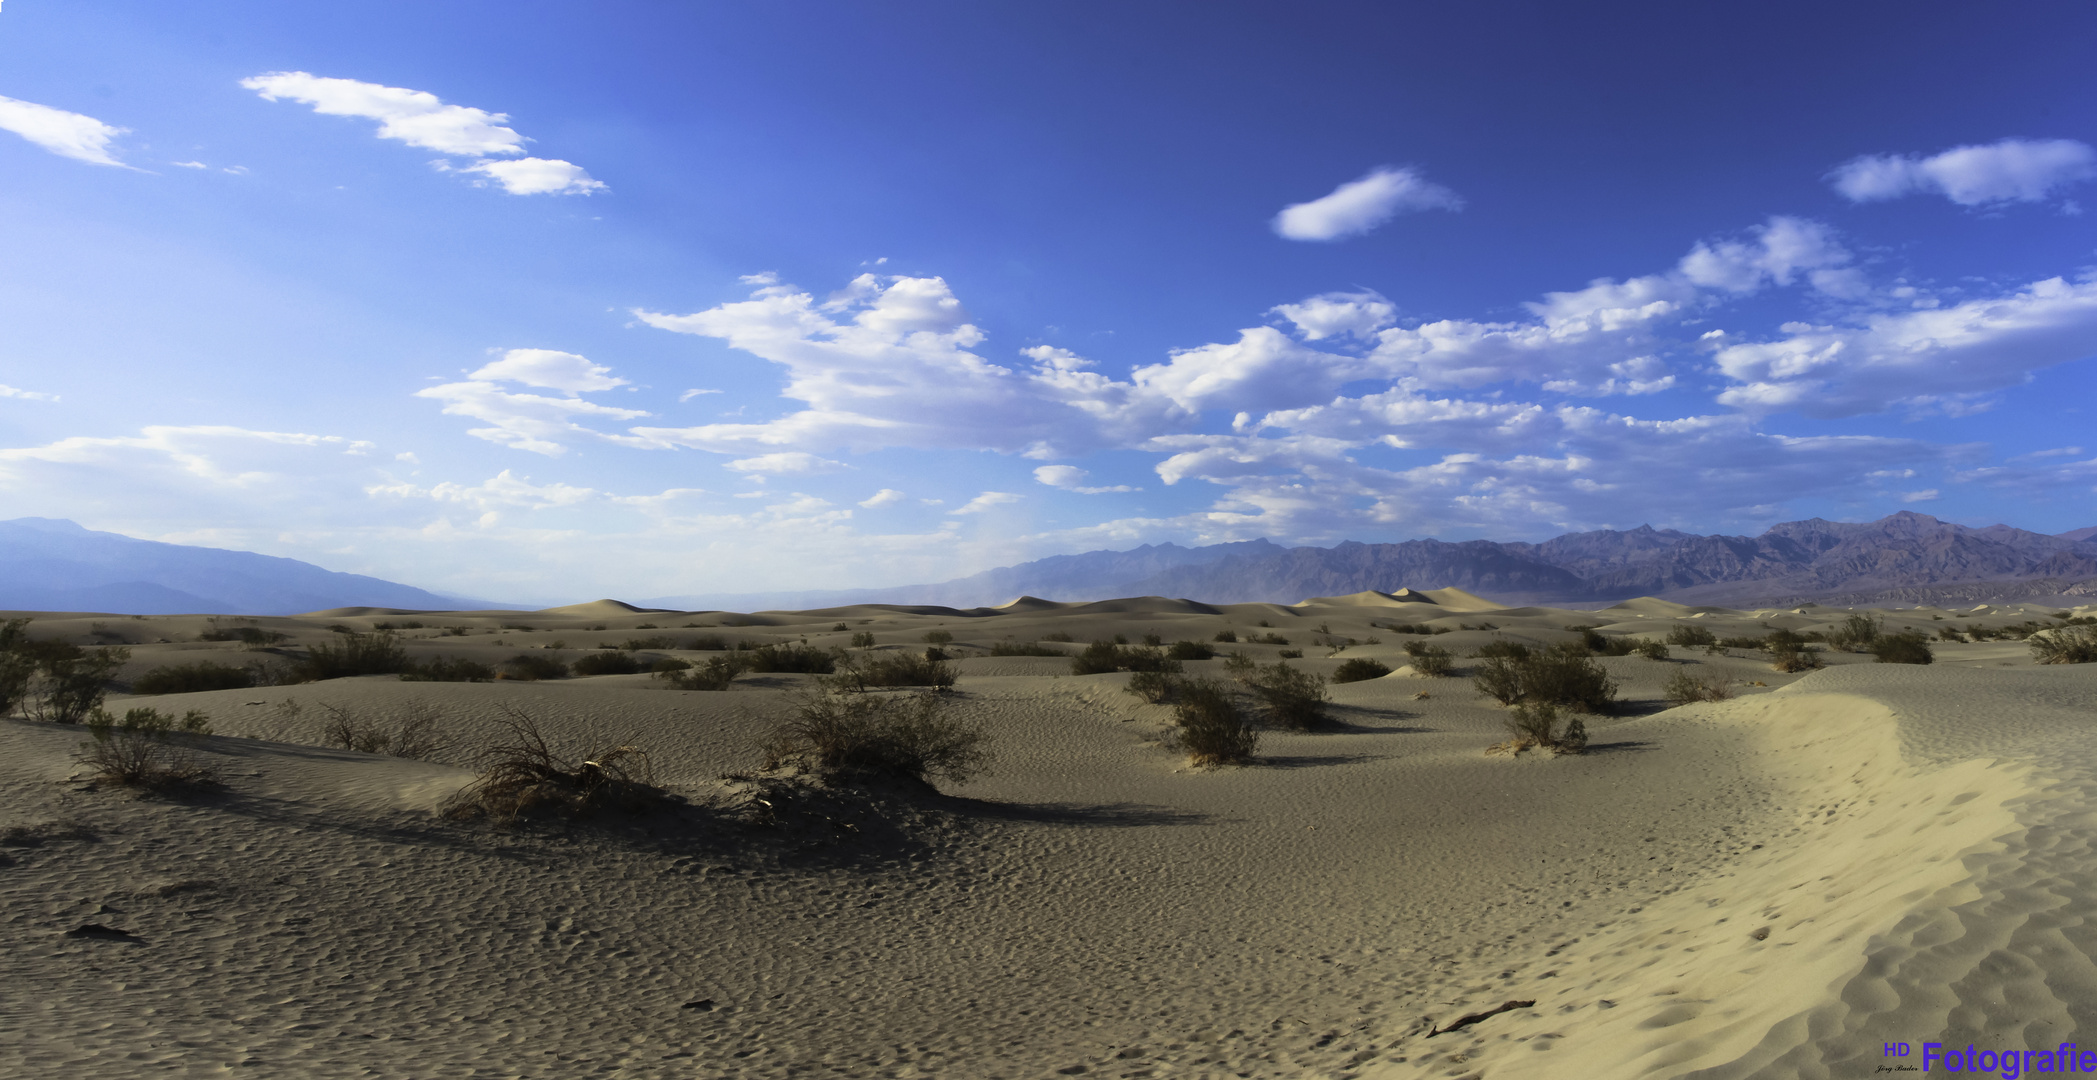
(1776, 885)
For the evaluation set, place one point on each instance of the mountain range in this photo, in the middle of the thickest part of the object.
(47, 564)
(1905, 558)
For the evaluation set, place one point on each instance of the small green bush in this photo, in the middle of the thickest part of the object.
(863, 639)
(707, 643)
(1267, 639)
(193, 678)
(1239, 666)
(1023, 648)
(857, 737)
(2066, 645)
(1856, 634)
(1537, 724)
(67, 683)
(1691, 637)
(1652, 650)
(353, 654)
(1906, 647)
(1155, 687)
(531, 667)
(1058, 636)
(896, 669)
(797, 659)
(1432, 661)
(1098, 658)
(447, 669)
(1227, 637)
(1500, 647)
(147, 748)
(1359, 669)
(1290, 697)
(1290, 654)
(1562, 678)
(608, 662)
(1500, 678)
(1210, 726)
(652, 641)
(716, 674)
(1189, 650)
(1683, 688)
(938, 637)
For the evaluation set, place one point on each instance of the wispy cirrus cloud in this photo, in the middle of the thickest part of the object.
(534, 422)
(421, 119)
(7, 391)
(67, 134)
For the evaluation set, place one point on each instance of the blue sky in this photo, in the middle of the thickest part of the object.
(546, 301)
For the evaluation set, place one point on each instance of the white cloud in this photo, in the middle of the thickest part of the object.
(502, 490)
(883, 497)
(1358, 206)
(786, 462)
(534, 422)
(551, 369)
(7, 391)
(1925, 495)
(1072, 478)
(2013, 170)
(1339, 314)
(984, 502)
(414, 117)
(537, 176)
(690, 394)
(67, 134)
(189, 164)
(421, 119)
(1940, 357)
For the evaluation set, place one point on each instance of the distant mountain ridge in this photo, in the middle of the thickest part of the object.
(1906, 558)
(48, 564)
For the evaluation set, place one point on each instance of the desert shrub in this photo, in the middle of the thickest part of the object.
(652, 641)
(1149, 658)
(839, 628)
(666, 664)
(17, 663)
(1290, 654)
(863, 639)
(1023, 648)
(938, 637)
(1792, 659)
(2066, 645)
(1652, 650)
(68, 682)
(1683, 688)
(855, 737)
(1267, 639)
(895, 669)
(707, 643)
(147, 748)
(1562, 678)
(1738, 642)
(1949, 633)
(1781, 640)
(1098, 658)
(1691, 637)
(1227, 637)
(353, 654)
(1537, 724)
(1289, 697)
(1856, 634)
(1189, 650)
(608, 662)
(1359, 669)
(253, 636)
(525, 775)
(531, 667)
(1058, 636)
(1906, 647)
(1501, 647)
(1155, 687)
(716, 674)
(798, 659)
(1239, 666)
(1432, 661)
(447, 669)
(193, 678)
(414, 735)
(1210, 727)
(1500, 678)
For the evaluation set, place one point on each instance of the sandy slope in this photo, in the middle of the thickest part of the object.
(1913, 839)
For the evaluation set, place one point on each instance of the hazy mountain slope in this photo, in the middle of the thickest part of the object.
(53, 565)
(1479, 566)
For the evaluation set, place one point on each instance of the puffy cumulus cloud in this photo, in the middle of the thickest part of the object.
(536, 176)
(1784, 249)
(419, 118)
(535, 422)
(1339, 314)
(67, 134)
(2013, 170)
(881, 498)
(7, 391)
(786, 462)
(1358, 206)
(984, 502)
(1072, 478)
(549, 368)
(889, 362)
(1940, 358)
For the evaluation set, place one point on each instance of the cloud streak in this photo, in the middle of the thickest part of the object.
(67, 134)
(2013, 170)
(1359, 206)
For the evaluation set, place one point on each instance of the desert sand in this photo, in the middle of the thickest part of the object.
(1775, 885)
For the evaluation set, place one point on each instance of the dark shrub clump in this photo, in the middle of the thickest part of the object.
(858, 737)
(147, 748)
(531, 667)
(193, 678)
(608, 662)
(1908, 647)
(1190, 650)
(1289, 697)
(1684, 688)
(525, 775)
(353, 654)
(447, 669)
(1024, 648)
(895, 669)
(1562, 676)
(716, 674)
(795, 659)
(2067, 645)
(1210, 726)
(1692, 637)
(1429, 660)
(1358, 669)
